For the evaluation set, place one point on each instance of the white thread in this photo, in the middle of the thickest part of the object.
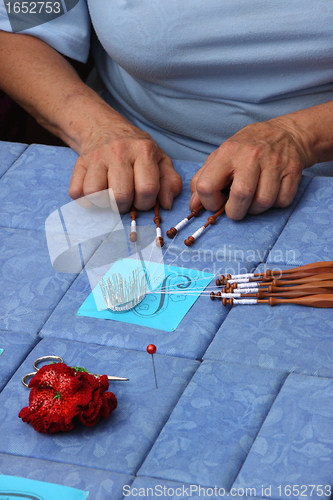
(198, 232)
(245, 301)
(230, 295)
(158, 232)
(251, 284)
(181, 224)
(246, 290)
(133, 225)
(245, 275)
(239, 280)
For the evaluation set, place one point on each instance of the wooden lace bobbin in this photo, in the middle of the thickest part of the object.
(323, 301)
(222, 295)
(314, 285)
(264, 295)
(301, 290)
(223, 280)
(248, 285)
(294, 293)
(171, 233)
(211, 220)
(133, 234)
(307, 267)
(297, 273)
(158, 219)
(300, 272)
(277, 282)
(309, 279)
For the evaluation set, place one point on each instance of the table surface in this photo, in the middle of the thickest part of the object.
(244, 404)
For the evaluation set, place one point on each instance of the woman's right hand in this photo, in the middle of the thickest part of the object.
(127, 160)
(113, 153)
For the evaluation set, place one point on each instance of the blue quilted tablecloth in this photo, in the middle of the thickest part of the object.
(291, 338)
(14, 347)
(243, 406)
(101, 484)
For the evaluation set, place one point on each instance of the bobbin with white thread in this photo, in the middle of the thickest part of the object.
(158, 219)
(211, 220)
(133, 234)
(171, 233)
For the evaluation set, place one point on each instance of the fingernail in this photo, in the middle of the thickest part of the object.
(171, 197)
(191, 200)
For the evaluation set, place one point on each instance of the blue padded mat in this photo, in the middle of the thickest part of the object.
(285, 337)
(30, 287)
(35, 186)
(118, 444)
(295, 444)
(9, 152)
(213, 426)
(102, 485)
(237, 420)
(308, 236)
(16, 346)
(190, 339)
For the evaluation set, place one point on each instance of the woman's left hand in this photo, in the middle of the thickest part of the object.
(262, 164)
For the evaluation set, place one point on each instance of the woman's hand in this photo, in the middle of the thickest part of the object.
(262, 164)
(127, 160)
(113, 153)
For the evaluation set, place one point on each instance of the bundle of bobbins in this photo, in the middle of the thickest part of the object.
(308, 285)
(133, 236)
(173, 231)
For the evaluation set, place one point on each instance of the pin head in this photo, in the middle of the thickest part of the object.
(151, 349)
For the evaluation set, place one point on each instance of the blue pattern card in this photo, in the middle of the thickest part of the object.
(171, 292)
(19, 488)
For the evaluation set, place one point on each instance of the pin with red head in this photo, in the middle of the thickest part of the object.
(151, 349)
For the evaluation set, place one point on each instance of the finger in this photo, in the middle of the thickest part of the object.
(95, 185)
(193, 183)
(213, 177)
(146, 182)
(194, 180)
(266, 193)
(75, 189)
(170, 183)
(242, 191)
(121, 181)
(288, 190)
(194, 201)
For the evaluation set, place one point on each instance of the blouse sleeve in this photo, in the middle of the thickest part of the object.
(63, 24)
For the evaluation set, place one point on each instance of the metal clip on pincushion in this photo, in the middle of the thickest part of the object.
(57, 359)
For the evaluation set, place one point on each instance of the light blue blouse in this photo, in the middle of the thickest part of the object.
(192, 73)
